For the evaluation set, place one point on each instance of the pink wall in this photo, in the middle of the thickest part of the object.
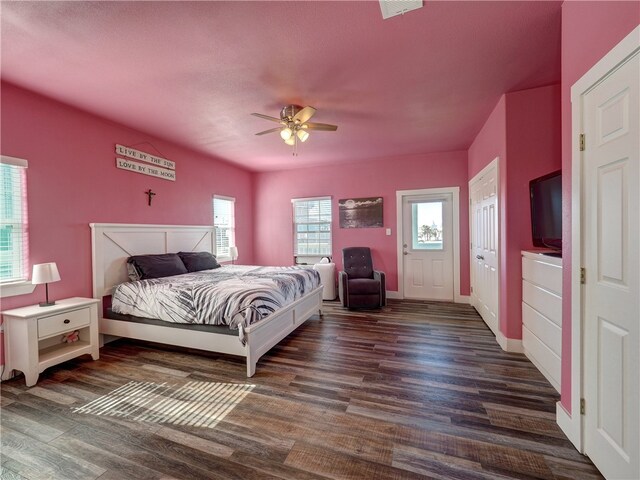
(72, 180)
(589, 31)
(274, 191)
(491, 141)
(524, 131)
(533, 150)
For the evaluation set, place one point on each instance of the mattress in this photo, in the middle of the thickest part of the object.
(232, 295)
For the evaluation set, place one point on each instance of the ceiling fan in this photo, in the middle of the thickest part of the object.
(294, 124)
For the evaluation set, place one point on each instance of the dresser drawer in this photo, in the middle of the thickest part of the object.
(542, 273)
(542, 357)
(548, 332)
(543, 301)
(63, 322)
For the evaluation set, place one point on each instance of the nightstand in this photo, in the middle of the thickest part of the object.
(33, 336)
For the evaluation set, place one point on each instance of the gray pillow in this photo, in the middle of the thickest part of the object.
(156, 266)
(196, 261)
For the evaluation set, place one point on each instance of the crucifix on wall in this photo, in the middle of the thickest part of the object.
(150, 193)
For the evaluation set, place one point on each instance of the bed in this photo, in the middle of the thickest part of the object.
(113, 244)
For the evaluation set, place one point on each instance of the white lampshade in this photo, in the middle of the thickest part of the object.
(233, 252)
(291, 140)
(286, 133)
(45, 273)
(302, 135)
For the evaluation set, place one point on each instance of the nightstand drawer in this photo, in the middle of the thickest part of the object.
(63, 322)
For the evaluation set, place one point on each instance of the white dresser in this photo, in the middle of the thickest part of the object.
(542, 313)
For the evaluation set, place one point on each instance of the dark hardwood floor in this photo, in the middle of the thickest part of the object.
(416, 390)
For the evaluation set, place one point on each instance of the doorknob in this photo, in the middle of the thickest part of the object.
(479, 257)
(405, 253)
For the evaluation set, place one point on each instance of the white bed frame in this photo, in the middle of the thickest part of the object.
(112, 244)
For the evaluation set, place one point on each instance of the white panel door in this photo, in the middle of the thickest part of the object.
(427, 233)
(484, 245)
(612, 263)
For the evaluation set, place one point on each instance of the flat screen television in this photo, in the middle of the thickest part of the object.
(546, 210)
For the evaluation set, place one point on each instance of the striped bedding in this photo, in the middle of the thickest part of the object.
(233, 295)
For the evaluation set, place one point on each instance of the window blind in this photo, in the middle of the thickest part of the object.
(224, 221)
(13, 220)
(312, 226)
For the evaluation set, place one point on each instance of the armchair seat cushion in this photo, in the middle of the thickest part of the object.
(364, 286)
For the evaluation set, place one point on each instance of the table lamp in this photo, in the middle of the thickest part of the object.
(45, 273)
(233, 253)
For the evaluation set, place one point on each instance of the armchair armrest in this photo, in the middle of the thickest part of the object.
(343, 288)
(383, 287)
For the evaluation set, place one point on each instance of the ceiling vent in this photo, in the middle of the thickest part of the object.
(391, 8)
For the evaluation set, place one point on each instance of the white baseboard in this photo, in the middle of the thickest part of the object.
(458, 299)
(509, 344)
(569, 424)
(463, 299)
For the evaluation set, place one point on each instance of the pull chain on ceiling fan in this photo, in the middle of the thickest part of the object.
(295, 125)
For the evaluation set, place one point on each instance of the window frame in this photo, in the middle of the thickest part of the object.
(232, 228)
(298, 257)
(21, 285)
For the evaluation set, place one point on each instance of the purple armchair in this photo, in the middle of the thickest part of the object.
(360, 286)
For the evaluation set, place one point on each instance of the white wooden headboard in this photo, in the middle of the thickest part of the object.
(112, 244)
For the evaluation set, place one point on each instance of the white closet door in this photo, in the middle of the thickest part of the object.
(612, 262)
(484, 245)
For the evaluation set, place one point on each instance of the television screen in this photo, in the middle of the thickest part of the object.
(546, 210)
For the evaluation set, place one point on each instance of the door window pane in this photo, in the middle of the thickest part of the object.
(426, 220)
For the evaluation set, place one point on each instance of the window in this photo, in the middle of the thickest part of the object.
(312, 227)
(427, 225)
(14, 246)
(224, 221)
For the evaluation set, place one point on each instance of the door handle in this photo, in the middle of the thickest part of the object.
(405, 253)
(479, 257)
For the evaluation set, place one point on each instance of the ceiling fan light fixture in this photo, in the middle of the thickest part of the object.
(295, 125)
(302, 135)
(286, 133)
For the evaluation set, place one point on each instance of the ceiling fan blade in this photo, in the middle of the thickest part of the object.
(320, 126)
(277, 129)
(305, 114)
(267, 117)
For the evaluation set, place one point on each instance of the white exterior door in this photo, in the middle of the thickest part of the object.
(427, 235)
(611, 258)
(483, 194)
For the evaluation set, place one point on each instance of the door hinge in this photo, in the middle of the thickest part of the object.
(583, 276)
(582, 406)
(582, 142)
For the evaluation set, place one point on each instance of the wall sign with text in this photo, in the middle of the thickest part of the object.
(155, 166)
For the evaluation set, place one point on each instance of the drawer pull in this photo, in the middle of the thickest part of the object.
(66, 320)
